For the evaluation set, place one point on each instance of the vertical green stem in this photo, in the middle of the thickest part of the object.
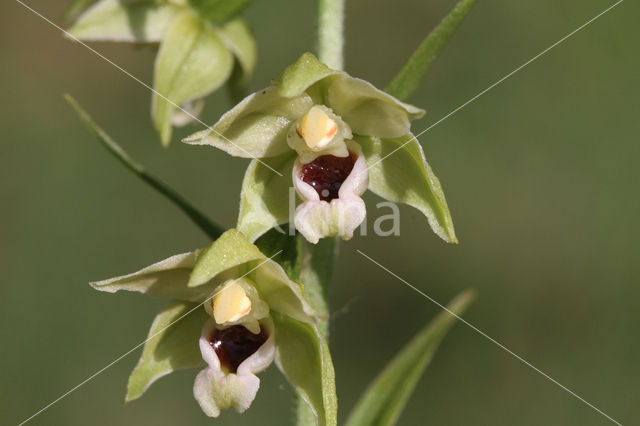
(331, 32)
(317, 260)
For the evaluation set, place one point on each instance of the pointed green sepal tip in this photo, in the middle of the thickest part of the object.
(232, 249)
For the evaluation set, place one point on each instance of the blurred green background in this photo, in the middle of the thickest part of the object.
(540, 173)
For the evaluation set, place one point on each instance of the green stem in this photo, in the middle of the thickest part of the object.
(203, 222)
(331, 32)
(316, 266)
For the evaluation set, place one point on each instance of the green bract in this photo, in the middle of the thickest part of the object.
(198, 45)
(193, 279)
(372, 126)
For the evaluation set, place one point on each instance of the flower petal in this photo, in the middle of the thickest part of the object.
(229, 251)
(303, 356)
(263, 200)
(169, 346)
(216, 391)
(167, 278)
(234, 255)
(316, 219)
(192, 62)
(302, 74)
(125, 20)
(320, 219)
(369, 111)
(256, 127)
(405, 176)
(237, 36)
(254, 364)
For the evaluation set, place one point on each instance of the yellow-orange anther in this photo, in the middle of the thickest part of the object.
(317, 128)
(231, 303)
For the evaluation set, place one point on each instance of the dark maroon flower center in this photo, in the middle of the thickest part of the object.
(327, 173)
(235, 344)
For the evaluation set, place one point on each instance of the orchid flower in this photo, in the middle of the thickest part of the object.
(335, 136)
(235, 311)
(199, 42)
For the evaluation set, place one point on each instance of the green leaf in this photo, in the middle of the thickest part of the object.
(218, 11)
(232, 249)
(192, 62)
(399, 172)
(302, 74)
(169, 347)
(256, 127)
(385, 398)
(206, 225)
(410, 76)
(237, 36)
(368, 110)
(303, 357)
(133, 21)
(167, 279)
(265, 196)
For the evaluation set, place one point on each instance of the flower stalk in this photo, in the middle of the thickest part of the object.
(331, 33)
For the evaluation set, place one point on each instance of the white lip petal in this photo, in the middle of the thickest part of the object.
(319, 219)
(216, 390)
(257, 362)
(316, 218)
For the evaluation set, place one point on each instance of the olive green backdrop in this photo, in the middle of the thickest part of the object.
(541, 176)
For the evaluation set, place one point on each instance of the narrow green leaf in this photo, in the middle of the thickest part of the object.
(192, 62)
(303, 356)
(385, 398)
(204, 223)
(410, 76)
(399, 172)
(170, 346)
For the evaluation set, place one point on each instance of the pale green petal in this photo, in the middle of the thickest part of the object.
(256, 127)
(233, 256)
(303, 356)
(229, 251)
(125, 20)
(369, 111)
(265, 197)
(385, 398)
(167, 279)
(302, 74)
(172, 345)
(192, 62)
(404, 176)
(237, 36)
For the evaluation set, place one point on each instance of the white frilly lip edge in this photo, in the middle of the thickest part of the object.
(215, 389)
